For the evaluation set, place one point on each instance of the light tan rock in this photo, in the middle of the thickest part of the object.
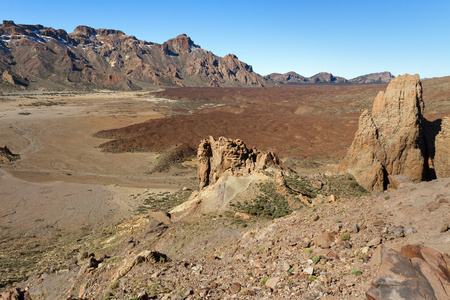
(441, 159)
(229, 157)
(389, 140)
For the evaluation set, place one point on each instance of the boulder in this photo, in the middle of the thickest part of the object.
(229, 157)
(416, 272)
(159, 221)
(389, 140)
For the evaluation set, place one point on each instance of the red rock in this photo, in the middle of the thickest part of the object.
(235, 288)
(417, 272)
(324, 240)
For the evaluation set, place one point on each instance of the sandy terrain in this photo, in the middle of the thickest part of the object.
(62, 178)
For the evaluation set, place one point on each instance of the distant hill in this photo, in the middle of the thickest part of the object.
(38, 56)
(328, 78)
(383, 77)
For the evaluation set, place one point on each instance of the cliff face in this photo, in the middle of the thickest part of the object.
(34, 55)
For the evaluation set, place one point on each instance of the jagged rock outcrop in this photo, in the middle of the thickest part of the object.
(7, 156)
(230, 157)
(416, 272)
(107, 58)
(390, 140)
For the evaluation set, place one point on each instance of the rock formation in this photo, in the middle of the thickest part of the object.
(7, 156)
(416, 272)
(390, 140)
(231, 157)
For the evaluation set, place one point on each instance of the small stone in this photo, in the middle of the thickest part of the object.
(211, 257)
(143, 296)
(235, 288)
(272, 282)
(308, 270)
(242, 216)
(410, 230)
(432, 206)
(214, 284)
(355, 228)
(374, 242)
(286, 266)
(315, 218)
(399, 232)
(324, 240)
(444, 228)
(379, 223)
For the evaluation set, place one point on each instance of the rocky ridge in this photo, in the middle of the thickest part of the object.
(34, 55)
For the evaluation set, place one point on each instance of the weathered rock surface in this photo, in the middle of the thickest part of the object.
(389, 140)
(16, 294)
(416, 272)
(441, 160)
(6, 155)
(229, 157)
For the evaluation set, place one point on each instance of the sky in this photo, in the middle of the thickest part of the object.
(345, 38)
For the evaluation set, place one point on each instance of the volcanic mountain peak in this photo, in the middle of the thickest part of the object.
(108, 58)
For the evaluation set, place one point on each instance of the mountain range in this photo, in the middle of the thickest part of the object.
(34, 56)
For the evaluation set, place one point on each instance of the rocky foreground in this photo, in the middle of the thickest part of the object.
(342, 249)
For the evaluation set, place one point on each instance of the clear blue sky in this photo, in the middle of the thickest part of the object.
(346, 38)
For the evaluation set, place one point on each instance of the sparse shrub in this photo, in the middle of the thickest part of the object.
(261, 249)
(387, 197)
(114, 285)
(345, 236)
(317, 258)
(308, 250)
(356, 272)
(312, 278)
(249, 251)
(264, 280)
(269, 203)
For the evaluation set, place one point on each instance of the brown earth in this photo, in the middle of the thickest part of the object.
(304, 122)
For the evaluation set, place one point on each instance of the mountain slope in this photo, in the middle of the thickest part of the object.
(34, 55)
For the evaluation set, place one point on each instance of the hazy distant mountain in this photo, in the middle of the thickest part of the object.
(294, 78)
(38, 56)
(327, 78)
(383, 77)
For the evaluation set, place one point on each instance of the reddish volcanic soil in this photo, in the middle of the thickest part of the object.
(294, 121)
(306, 121)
